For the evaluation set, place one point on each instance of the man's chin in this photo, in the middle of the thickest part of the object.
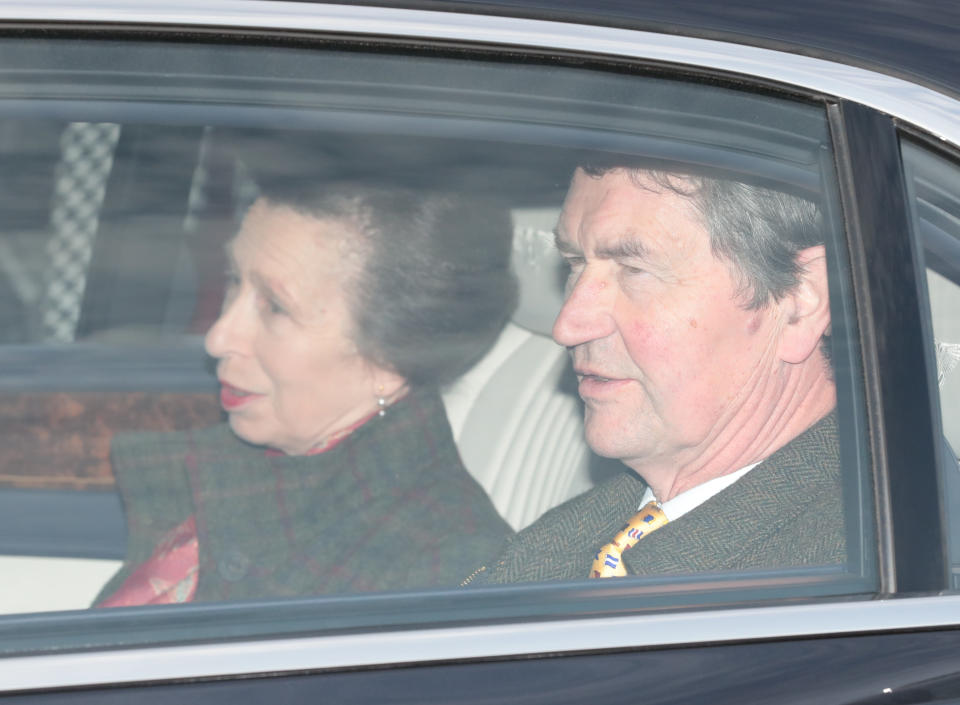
(616, 440)
(603, 442)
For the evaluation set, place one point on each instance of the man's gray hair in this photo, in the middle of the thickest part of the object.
(759, 230)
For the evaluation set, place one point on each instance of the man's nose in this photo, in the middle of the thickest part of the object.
(586, 312)
(228, 334)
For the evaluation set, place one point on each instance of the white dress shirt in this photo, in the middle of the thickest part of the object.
(695, 496)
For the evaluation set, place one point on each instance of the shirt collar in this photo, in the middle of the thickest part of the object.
(695, 496)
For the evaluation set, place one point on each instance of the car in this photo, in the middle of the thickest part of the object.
(136, 136)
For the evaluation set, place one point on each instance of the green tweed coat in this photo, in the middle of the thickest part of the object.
(787, 511)
(391, 507)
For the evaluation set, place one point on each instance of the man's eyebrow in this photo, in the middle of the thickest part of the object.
(563, 246)
(625, 248)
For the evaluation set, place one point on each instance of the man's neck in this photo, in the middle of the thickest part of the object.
(746, 438)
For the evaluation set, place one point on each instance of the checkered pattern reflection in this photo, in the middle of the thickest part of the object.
(87, 151)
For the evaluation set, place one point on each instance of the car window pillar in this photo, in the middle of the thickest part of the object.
(887, 278)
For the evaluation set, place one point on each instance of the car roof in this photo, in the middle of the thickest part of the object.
(912, 39)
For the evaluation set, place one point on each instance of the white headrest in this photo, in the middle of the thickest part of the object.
(519, 428)
(520, 434)
(539, 269)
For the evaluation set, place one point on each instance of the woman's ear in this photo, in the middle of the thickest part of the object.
(806, 309)
(387, 384)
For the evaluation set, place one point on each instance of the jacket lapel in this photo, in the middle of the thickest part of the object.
(758, 521)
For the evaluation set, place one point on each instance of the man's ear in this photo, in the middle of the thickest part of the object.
(806, 309)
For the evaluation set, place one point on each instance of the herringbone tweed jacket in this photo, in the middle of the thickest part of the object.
(787, 511)
(390, 507)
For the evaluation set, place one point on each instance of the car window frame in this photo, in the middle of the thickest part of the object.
(885, 257)
(883, 393)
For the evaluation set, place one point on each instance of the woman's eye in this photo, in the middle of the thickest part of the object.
(275, 308)
(231, 285)
(231, 279)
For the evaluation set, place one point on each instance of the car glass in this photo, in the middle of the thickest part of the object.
(935, 210)
(278, 328)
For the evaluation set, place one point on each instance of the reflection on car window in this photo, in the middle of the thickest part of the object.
(317, 336)
(935, 208)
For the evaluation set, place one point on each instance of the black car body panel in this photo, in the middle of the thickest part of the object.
(854, 670)
(913, 39)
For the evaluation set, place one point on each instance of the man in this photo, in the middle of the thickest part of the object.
(697, 318)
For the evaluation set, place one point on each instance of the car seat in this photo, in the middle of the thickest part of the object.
(515, 415)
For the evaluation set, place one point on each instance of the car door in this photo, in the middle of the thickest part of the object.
(192, 101)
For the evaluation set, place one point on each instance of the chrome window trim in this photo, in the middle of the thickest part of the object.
(935, 112)
(106, 667)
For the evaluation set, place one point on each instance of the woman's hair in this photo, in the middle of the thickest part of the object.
(434, 286)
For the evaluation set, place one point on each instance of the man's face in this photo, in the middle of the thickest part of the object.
(670, 362)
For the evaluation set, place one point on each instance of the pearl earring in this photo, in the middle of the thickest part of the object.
(382, 403)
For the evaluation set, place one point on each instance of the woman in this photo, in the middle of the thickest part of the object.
(347, 307)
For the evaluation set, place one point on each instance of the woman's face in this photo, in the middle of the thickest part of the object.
(289, 372)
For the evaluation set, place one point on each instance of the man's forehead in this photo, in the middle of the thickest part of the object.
(622, 210)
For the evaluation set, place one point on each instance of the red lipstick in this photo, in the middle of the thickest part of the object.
(232, 398)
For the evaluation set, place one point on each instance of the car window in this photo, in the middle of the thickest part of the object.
(275, 327)
(935, 209)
